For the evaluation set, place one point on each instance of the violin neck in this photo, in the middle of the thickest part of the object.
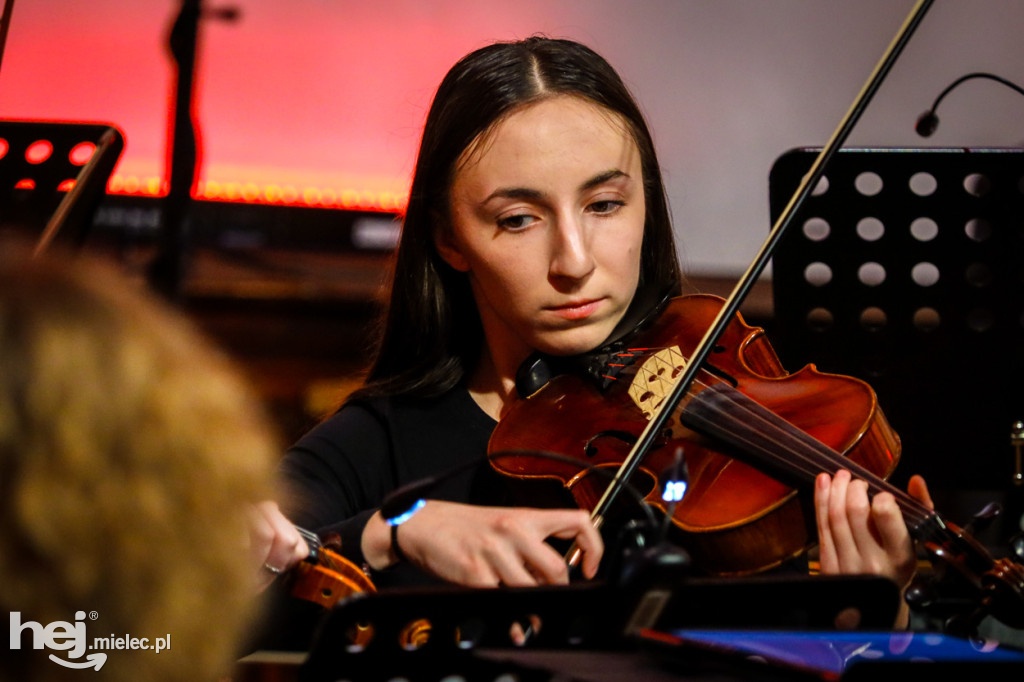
(761, 437)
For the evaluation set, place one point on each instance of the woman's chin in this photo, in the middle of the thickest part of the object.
(572, 341)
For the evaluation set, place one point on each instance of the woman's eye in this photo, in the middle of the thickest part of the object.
(606, 206)
(515, 222)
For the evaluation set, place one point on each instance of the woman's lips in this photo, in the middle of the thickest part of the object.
(576, 310)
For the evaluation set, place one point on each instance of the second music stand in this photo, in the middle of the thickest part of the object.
(905, 269)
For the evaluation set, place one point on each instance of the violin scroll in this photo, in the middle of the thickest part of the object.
(325, 577)
(968, 583)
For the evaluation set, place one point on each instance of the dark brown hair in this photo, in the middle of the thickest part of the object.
(430, 333)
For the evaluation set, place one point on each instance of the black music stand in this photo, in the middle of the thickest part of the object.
(906, 272)
(53, 175)
(469, 629)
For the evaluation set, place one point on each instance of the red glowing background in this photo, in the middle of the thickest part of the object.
(310, 102)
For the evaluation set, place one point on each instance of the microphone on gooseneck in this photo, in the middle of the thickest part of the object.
(926, 123)
(645, 564)
(929, 121)
(673, 490)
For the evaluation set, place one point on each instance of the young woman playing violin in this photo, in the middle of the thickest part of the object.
(537, 216)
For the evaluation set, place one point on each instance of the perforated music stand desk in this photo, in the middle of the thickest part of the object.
(53, 175)
(906, 271)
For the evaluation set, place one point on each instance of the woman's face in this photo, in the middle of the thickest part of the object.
(547, 220)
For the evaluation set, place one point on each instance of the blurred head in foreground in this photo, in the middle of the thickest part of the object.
(130, 450)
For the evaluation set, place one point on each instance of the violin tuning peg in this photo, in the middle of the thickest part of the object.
(920, 595)
(1017, 545)
(984, 518)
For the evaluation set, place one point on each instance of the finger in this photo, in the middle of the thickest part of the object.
(862, 531)
(898, 561)
(826, 547)
(839, 523)
(292, 540)
(918, 489)
(544, 564)
(589, 540)
(888, 521)
(287, 547)
(579, 526)
(526, 572)
(513, 551)
(524, 558)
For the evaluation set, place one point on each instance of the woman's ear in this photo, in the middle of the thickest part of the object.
(446, 247)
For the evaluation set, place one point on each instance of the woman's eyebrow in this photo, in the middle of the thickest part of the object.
(602, 178)
(514, 193)
(530, 193)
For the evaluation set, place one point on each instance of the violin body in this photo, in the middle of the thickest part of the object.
(734, 518)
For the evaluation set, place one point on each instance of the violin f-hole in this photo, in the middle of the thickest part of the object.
(721, 374)
(591, 449)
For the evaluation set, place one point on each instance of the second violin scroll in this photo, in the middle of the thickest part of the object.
(325, 577)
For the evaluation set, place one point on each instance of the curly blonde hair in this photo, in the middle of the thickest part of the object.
(129, 451)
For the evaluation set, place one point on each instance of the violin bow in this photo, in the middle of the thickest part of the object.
(746, 282)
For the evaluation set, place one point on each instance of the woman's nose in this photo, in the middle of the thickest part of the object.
(571, 255)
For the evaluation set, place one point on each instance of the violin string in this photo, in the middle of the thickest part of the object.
(914, 512)
(836, 459)
(309, 536)
(810, 460)
(315, 545)
(810, 465)
(822, 456)
(817, 458)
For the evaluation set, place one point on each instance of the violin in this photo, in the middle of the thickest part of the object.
(752, 435)
(744, 415)
(735, 519)
(325, 577)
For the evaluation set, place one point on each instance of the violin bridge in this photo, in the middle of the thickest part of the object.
(655, 378)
